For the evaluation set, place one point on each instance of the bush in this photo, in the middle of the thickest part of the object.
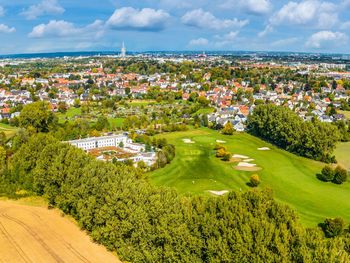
(254, 180)
(340, 175)
(327, 174)
(226, 157)
(333, 227)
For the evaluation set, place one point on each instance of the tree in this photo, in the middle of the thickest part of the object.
(102, 123)
(327, 174)
(37, 116)
(254, 180)
(333, 227)
(228, 129)
(340, 175)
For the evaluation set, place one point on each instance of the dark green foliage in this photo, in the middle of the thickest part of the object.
(285, 129)
(38, 117)
(327, 174)
(333, 227)
(145, 223)
(340, 175)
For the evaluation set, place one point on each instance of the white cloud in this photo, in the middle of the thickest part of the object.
(256, 7)
(268, 29)
(129, 18)
(6, 29)
(201, 19)
(284, 42)
(324, 39)
(308, 12)
(46, 7)
(199, 42)
(63, 28)
(2, 11)
(226, 39)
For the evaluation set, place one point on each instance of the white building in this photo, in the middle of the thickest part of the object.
(100, 142)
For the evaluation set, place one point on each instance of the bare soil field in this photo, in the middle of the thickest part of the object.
(36, 234)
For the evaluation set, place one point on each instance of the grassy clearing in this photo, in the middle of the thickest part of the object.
(342, 154)
(205, 111)
(139, 103)
(8, 130)
(195, 170)
(346, 114)
(71, 113)
(116, 122)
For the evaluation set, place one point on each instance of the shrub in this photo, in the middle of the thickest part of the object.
(254, 180)
(340, 175)
(226, 157)
(221, 153)
(333, 227)
(327, 174)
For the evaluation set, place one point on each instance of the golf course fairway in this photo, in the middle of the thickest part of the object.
(196, 170)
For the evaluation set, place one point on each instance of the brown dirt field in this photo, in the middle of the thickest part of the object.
(36, 234)
(247, 169)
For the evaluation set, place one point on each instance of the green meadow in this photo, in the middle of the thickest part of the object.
(8, 130)
(196, 170)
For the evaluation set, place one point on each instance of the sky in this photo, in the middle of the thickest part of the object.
(34, 26)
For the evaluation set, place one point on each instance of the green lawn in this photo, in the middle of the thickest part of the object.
(8, 130)
(205, 111)
(116, 122)
(195, 170)
(342, 154)
(71, 113)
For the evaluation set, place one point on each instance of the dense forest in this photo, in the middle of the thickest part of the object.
(284, 128)
(145, 223)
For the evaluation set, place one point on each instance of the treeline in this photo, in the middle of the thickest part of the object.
(145, 223)
(284, 128)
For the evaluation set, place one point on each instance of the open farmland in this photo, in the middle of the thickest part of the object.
(36, 234)
(196, 170)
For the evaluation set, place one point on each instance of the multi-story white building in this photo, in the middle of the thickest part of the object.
(100, 142)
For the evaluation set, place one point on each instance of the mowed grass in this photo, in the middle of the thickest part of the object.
(342, 153)
(8, 130)
(116, 122)
(195, 170)
(71, 113)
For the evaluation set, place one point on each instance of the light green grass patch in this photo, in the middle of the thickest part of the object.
(342, 154)
(195, 170)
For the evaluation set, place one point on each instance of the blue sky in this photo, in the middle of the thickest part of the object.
(262, 25)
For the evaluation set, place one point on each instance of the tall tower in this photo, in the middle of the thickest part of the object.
(123, 51)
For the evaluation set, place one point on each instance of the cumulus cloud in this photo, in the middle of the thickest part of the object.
(226, 39)
(129, 18)
(6, 29)
(256, 7)
(268, 29)
(201, 19)
(46, 7)
(63, 28)
(324, 39)
(308, 12)
(282, 43)
(199, 42)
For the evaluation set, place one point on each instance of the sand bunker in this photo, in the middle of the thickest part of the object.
(264, 149)
(219, 193)
(244, 164)
(248, 160)
(188, 141)
(248, 169)
(219, 141)
(240, 156)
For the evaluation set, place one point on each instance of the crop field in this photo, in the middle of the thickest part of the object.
(196, 170)
(36, 234)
